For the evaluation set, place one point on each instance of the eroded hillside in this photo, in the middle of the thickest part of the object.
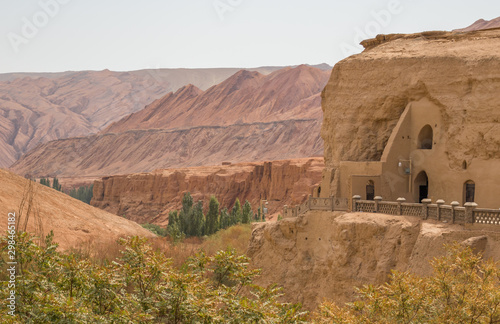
(75, 224)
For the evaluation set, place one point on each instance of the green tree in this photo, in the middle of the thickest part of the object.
(236, 213)
(212, 221)
(198, 220)
(247, 214)
(56, 185)
(225, 218)
(186, 213)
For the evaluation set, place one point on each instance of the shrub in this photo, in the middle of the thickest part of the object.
(463, 289)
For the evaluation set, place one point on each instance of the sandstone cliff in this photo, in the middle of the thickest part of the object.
(75, 224)
(326, 255)
(458, 72)
(148, 197)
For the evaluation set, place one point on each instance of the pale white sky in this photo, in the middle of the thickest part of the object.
(120, 35)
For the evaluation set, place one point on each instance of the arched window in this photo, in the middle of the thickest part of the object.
(422, 186)
(370, 190)
(469, 191)
(425, 138)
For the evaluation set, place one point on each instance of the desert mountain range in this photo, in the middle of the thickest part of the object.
(39, 107)
(248, 117)
(482, 24)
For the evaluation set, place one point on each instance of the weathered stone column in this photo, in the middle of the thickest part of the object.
(469, 212)
(440, 203)
(285, 211)
(355, 200)
(310, 201)
(454, 204)
(425, 207)
(377, 199)
(333, 203)
(400, 206)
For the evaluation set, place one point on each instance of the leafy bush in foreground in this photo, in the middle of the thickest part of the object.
(463, 289)
(141, 286)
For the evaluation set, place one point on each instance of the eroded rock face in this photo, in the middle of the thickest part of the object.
(458, 72)
(327, 255)
(148, 197)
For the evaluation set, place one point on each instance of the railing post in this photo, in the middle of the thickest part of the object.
(454, 204)
(440, 203)
(469, 212)
(400, 207)
(355, 200)
(425, 207)
(377, 199)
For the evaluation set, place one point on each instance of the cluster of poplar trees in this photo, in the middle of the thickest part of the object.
(191, 221)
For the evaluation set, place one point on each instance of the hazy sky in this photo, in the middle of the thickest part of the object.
(60, 35)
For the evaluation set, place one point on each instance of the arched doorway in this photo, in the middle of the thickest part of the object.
(370, 190)
(425, 138)
(421, 185)
(469, 191)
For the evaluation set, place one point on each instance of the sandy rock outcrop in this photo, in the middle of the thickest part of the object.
(148, 197)
(75, 224)
(327, 255)
(458, 72)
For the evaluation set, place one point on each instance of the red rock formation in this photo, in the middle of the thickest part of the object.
(148, 197)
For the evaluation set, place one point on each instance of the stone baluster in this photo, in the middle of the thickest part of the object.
(425, 208)
(469, 212)
(355, 200)
(440, 203)
(401, 200)
(454, 205)
(377, 199)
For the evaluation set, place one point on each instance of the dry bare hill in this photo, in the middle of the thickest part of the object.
(75, 224)
(481, 24)
(248, 117)
(39, 107)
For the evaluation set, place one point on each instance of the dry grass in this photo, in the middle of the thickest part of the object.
(235, 237)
